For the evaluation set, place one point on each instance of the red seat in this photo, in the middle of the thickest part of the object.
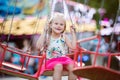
(95, 72)
(18, 70)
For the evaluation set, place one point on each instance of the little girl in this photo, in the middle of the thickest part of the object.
(55, 51)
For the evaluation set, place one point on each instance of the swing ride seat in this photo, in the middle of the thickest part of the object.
(13, 66)
(95, 72)
(18, 70)
(48, 72)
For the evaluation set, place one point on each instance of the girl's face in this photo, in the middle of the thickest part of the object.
(58, 25)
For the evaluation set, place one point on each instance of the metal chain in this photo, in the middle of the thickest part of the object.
(12, 22)
(112, 36)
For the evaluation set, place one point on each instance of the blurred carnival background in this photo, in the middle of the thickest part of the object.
(22, 22)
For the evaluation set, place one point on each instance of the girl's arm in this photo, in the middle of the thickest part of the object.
(71, 43)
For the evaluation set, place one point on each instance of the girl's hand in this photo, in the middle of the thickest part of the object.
(72, 29)
(29, 51)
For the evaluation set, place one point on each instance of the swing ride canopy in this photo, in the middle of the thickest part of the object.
(27, 25)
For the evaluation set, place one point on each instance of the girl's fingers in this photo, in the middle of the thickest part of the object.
(72, 28)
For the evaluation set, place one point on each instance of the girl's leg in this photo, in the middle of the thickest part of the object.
(57, 75)
(71, 76)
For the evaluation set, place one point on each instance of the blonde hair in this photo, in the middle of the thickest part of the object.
(57, 15)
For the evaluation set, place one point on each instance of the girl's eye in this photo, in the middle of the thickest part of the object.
(56, 23)
(61, 24)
